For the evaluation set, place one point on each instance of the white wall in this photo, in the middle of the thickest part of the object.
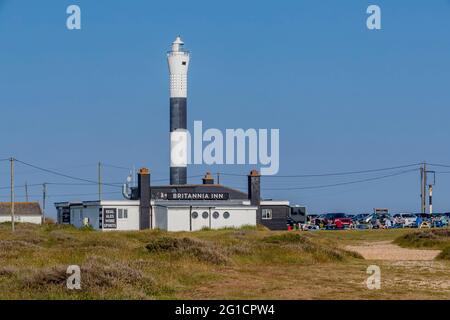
(130, 223)
(22, 218)
(78, 213)
(170, 218)
(178, 218)
(238, 217)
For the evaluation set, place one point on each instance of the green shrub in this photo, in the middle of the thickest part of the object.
(445, 254)
(434, 238)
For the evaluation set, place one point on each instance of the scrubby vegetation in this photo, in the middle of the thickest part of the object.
(431, 239)
(201, 250)
(230, 263)
(319, 251)
(445, 254)
(147, 264)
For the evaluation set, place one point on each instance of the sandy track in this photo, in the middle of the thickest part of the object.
(386, 250)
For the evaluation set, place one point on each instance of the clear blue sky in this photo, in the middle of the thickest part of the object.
(344, 98)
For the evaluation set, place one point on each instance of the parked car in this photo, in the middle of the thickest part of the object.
(439, 220)
(360, 217)
(311, 218)
(407, 220)
(337, 221)
(378, 220)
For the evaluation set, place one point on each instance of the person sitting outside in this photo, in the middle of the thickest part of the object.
(388, 223)
(418, 221)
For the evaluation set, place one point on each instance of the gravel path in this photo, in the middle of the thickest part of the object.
(386, 250)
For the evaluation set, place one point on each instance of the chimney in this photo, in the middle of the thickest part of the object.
(254, 191)
(144, 197)
(208, 178)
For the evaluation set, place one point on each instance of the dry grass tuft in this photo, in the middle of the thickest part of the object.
(17, 245)
(96, 273)
(445, 254)
(7, 271)
(101, 272)
(320, 252)
(434, 238)
(40, 278)
(201, 250)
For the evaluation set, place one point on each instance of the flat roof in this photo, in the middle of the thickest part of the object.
(165, 203)
(112, 203)
(274, 203)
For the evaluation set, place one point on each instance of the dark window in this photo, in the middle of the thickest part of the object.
(194, 215)
(226, 214)
(205, 214)
(183, 63)
(215, 215)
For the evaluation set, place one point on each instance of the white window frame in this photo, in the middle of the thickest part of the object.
(266, 214)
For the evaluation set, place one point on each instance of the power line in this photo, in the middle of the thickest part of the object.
(117, 184)
(328, 174)
(167, 179)
(80, 194)
(62, 174)
(61, 195)
(344, 183)
(345, 173)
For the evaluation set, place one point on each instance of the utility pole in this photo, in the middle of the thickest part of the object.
(26, 191)
(430, 190)
(218, 177)
(44, 198)
(99, 181)
(423, 187)
(430, 200)
(12, 194)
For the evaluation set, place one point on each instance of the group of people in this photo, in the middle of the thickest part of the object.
(399, 222)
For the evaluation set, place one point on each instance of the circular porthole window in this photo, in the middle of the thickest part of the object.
(205, 214)
(215, 215)
(226, 214)
(194, 215)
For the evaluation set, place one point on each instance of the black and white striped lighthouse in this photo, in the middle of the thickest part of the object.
(178, 60)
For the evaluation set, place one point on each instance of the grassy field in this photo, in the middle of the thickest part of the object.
(246, 263)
